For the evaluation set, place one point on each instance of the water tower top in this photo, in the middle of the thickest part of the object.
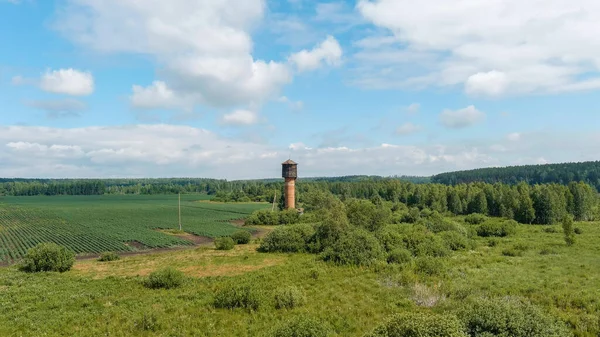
(289, 169)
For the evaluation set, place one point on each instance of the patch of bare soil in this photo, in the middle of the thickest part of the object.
(137, 245)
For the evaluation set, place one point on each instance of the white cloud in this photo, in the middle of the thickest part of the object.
(294, 105)
(328, 52)
(240, 117)
(514, 137)
(164, 150)
(407, 128)
(413, 108)
(67, 81)
(492, 48)
(159, 96)
(461, 118)
(59, 108)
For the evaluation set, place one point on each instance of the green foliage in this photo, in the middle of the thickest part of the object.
(288, 217)
(399, 256)
(412, 216)
(224, 243)
(109, 256)
(148, 322)
(578, 231)
(515, 250)
(497, 228)
(263, 217)
(424, 243)
(367, 215)
(357, 247)
(475, 219)
(415, 324)
(509, 317)
(166, 278)
(568, 231)
(437, 223)
(288, 239)
(431, 266)
(289, 298)
(455, 240)
(241, 237)
(246, 296)
(48, 257)
(302, 326)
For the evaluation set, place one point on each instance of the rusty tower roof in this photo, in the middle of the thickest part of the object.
(289, 162)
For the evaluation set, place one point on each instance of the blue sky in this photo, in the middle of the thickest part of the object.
(230, 88)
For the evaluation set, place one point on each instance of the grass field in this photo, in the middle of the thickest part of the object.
(93, 224)
(108, 299)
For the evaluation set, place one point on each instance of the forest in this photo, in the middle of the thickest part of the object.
(588, 172)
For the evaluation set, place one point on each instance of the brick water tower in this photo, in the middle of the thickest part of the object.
(289, 171)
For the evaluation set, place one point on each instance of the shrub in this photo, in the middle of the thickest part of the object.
(423, 243)
(357, 247)
(244, 296)
(262, 217)
(500, 229)
(437, 223)
(109, 256)
(48, 257)
(288, 239)
(454, 240)
(365, 214)
(326, 233)
(430, 265)
(166, 278)
(492, 242)
(224, 243)
(516, 250)
(567, 225)
(578, 230)
(475, 219)
(509, 317)
(399, 255)
(288, 217)
(302, 326)
(148, 322)
(551, 230)
(420, 325)
(241, 237)
(391, 237)
(289, 298)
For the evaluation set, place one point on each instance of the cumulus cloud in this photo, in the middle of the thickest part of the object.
(67, 81)
(490, 48)
(457, 119)
(203, 48)
(240, 117)
(164, 150)
(329, 52)
(407, 129)
(59, 108)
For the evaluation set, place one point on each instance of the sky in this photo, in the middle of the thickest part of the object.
(232, 88)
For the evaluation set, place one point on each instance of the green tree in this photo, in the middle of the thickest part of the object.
(567, 225)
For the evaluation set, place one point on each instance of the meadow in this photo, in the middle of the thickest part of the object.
(108, 299)
(94, 224)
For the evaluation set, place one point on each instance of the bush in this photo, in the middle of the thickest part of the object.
(48, 257)
(516, 250)
(224, 243)
(492, 242)
(166, 278)
(288, 217)
(365, 214)
(415, 324)
(391, 237)
(288, 239)
(578, 230)
(551, 230)
(430, 266)
(400, 256)
(302, 326)
(262, 217)
(567, 225)
(357, 247)
(475, 219)
(423, 243)
(289, 298)
(499, 229)
(454, 240)
(509, 317)
(326, 233)
(241, 237)
(109, 256)
(244, 296)
(437, 223)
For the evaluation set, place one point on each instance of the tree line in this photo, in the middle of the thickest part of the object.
(588, 172)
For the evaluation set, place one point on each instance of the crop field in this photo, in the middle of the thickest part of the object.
(93, 224)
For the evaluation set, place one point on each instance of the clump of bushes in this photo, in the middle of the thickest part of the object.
(109, 256)
(166, 278)
(455, 241)
(551, 230)
(48, 257)
(357, 247)
(269, 218)
(437, 223)
(289, 298)
(430, 266)
(578, 231)
(509, 317)
(399, 256)
(241, 237)
(224, 243)
(499, 229)
(421, 325)
(516, 250)
(288, 239)
(475, 219)
(244, 296)
(569, 232)
(423, 243)
(302, 326)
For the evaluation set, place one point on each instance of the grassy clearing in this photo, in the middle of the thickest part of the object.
(108, 298)
(94, 224)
